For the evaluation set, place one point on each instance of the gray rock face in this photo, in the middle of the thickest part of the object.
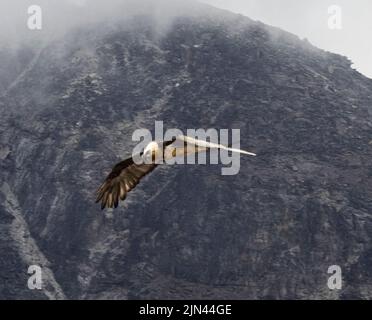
(302, 205)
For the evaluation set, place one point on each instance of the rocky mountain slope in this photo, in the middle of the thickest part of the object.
(68, 111)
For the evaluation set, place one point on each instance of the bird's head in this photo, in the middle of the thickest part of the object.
(151, 151)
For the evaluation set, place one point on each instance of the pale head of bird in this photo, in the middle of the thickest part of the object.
(151, 151)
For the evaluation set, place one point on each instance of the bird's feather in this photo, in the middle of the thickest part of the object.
(211, 145)
(123, 178)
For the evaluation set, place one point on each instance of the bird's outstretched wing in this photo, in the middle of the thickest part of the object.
(123, 178)
(209, 145)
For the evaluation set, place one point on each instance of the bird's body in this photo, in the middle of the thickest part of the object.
(127, 174)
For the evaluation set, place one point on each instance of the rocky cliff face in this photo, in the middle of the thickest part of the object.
(68, 111)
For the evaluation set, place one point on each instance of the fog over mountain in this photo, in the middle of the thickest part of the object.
(71, 97)
(310, 19)
(60, 17)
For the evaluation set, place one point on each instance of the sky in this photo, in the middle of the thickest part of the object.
(310, 19)
(307, 19)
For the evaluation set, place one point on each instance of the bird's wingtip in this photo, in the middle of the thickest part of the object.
(243, 152)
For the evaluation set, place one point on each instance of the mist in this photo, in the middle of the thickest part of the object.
(309, 19)
(305, 19)
(60, 17)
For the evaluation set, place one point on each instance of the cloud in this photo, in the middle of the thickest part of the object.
(61, 16)
(303, 18)
(309, 19)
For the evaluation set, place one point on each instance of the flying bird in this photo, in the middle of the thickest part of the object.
(125, 176)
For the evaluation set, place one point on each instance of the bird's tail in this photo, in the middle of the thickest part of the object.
(212, 145)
